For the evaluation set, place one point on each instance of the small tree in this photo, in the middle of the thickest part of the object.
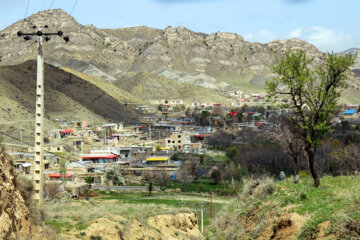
(62, 169)
(150, 187)
(193, 168)
(114, 175)
(215, 174)
(89, 180)
(313, 92)
(291, 143)
(231, 152)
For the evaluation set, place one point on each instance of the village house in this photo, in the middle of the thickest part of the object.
(177, 140)
(351, 114)
(154, 161)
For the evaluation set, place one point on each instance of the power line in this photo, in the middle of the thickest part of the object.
(51, 4)
(73, 7)
(27, 8)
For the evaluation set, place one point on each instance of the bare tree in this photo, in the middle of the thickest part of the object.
(290, 142)
(193, 168)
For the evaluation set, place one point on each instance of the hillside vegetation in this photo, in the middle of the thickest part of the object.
(284, 210)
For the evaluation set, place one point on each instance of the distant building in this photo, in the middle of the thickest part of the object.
(351, 114)
(101, 158)
(157, 160)
(177, 140)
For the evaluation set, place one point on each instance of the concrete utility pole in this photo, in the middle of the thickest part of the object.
(202, 217)
(40, 37)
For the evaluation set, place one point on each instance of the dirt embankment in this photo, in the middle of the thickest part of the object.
(15, 219)
(111, 227)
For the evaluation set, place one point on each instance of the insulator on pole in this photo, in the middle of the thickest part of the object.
(66, 38)
(47, 39)
(34, 26)
(46, 26)
(19, 33)
(60, 33)
(27, 38)
(39, 33)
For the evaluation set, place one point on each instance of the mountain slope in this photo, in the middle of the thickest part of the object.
(66, 96)
(150, 86)
(216, 61)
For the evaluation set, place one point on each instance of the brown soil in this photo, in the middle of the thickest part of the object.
(322, 235)
(88, 194)
(111, 227)
(287, 226)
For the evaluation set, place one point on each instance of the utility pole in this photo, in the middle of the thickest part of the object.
(210, 204)
(202, 217)
(21, 133)
(39, 37)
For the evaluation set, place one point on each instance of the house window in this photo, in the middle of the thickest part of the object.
(169, 141)
(173, 141)
(58, 149)
(179, 136)
(179, 141)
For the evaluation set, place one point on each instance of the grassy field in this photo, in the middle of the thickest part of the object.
(203, 185)
(78, 215)
(293, 211)
(178, 202)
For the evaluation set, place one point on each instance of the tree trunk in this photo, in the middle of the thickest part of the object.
(296, 170)
(311, 156)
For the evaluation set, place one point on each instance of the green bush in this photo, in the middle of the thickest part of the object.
(95, 237)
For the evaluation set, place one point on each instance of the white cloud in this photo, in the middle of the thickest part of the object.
(262, 36)
(295, 33)
(324, 38)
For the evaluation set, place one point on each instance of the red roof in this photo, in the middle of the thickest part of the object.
(260, 123)
(141, 127)
(66, 131)
(185, 122)
(96, 157)
(58, 175)
(251, 112)
(199, 136)
(233, 113)
(217, 104)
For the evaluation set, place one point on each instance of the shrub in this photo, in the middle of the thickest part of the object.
(95, 237)
(26, 188)
(51, 190)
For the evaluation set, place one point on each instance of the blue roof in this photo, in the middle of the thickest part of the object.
(350, 112)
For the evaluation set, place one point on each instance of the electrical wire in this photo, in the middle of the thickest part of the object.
(73, 7)
(27, 8)
(51, 4)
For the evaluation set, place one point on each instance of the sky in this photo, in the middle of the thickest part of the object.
(331, 25)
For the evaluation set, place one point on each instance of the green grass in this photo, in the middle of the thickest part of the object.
(202, 185)
(59, 226)
(170, 200)
(323, 203)
(336, 200)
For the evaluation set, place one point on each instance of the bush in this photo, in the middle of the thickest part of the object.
(51, 190)
(95, 237)
(231, 152)
(26, 189)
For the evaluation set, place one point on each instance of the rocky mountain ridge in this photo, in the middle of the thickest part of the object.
(218, 60)
(215, 61)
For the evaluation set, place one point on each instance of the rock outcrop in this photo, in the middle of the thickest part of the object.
(15, 219)
(216, 61)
